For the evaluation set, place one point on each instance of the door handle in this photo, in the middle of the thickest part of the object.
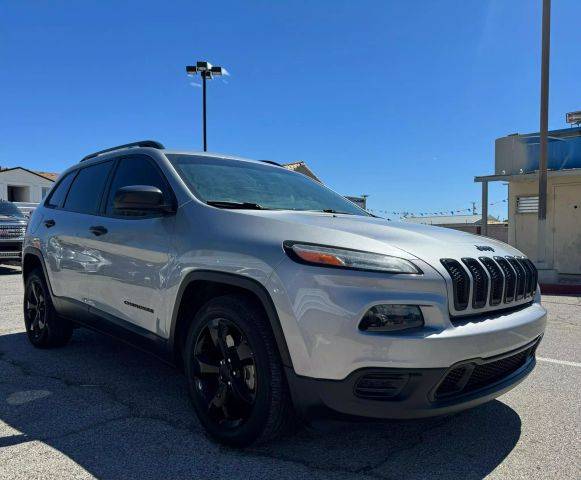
(98, 230)
(49, 223)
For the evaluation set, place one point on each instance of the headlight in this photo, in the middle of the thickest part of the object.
(350, 259)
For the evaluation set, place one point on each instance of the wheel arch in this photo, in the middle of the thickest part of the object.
(31, 259)
(221, 283)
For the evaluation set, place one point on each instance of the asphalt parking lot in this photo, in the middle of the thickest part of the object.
(101, 409)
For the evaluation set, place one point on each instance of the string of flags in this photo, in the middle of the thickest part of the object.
(406, 213)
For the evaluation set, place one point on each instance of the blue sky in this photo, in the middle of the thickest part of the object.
(399, 100)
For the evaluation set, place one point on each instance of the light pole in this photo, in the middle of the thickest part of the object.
(207, 72)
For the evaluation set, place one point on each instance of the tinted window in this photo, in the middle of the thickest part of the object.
(60, 192)
(85, 193)
(234, 182)
(134, 171)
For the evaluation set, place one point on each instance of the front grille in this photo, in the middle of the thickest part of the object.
(510, 279)
(12, 231)
(520, 277)
(10, 247)
(535, 274)
(480, 282)
(509, 276)
(496, 280)
(10, 254)
(460, 282)
(470, 377)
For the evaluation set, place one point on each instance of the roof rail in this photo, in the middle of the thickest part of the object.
(142, 143)
(271, 162)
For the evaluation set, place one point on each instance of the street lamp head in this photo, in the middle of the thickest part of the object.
(217, 71)
(203, 66)
(191, 69)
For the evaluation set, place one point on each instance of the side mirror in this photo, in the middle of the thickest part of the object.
(141, 198)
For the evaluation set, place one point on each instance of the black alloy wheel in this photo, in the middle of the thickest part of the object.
(236, 379)
(35, 311)
(225, 372)
(44, 327)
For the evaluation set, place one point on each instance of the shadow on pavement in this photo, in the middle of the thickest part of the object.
(117, 412)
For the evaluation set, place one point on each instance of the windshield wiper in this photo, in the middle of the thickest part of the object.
(240, 205)
(330, 210)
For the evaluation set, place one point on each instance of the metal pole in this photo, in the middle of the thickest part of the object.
(484, 229)
(544, 121)
(204, 109)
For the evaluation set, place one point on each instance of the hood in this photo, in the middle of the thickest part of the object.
(425, 242)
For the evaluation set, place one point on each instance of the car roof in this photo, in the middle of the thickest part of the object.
(156, 151)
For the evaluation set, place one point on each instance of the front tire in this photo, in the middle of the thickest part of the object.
(45, 329)
(235, 376)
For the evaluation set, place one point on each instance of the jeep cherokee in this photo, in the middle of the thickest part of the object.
(278, 297)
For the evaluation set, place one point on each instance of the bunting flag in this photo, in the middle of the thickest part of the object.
(405, 214)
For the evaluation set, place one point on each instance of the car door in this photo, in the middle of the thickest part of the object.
(134, 251)
(69, 210)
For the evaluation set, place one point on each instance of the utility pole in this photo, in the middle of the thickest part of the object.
(544, 127)
(473, 208)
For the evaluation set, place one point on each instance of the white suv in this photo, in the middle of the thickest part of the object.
(277, 296)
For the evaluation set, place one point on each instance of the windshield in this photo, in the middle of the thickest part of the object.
(8, 209)
(239, 184)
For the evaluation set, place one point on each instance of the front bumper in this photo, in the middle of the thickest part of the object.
(320, 309)
(413, 393)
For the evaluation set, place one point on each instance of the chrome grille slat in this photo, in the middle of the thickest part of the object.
(12, 231)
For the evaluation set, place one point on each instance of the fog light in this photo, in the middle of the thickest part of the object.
(392, 318)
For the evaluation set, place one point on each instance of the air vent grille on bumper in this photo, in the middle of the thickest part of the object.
(470, 377)
(490, 283)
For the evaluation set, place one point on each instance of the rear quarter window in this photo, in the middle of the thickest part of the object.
(57, 197)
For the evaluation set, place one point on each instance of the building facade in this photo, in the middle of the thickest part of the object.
(19, 184)
(517, 162)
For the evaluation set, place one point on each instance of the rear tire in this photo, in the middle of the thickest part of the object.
(235, 375)
(45, 329)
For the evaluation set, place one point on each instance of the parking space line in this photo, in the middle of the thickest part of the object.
(560, 362)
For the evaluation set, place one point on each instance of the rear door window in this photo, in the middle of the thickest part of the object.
(87, 189)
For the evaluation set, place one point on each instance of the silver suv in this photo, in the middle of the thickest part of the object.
(280, 298)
